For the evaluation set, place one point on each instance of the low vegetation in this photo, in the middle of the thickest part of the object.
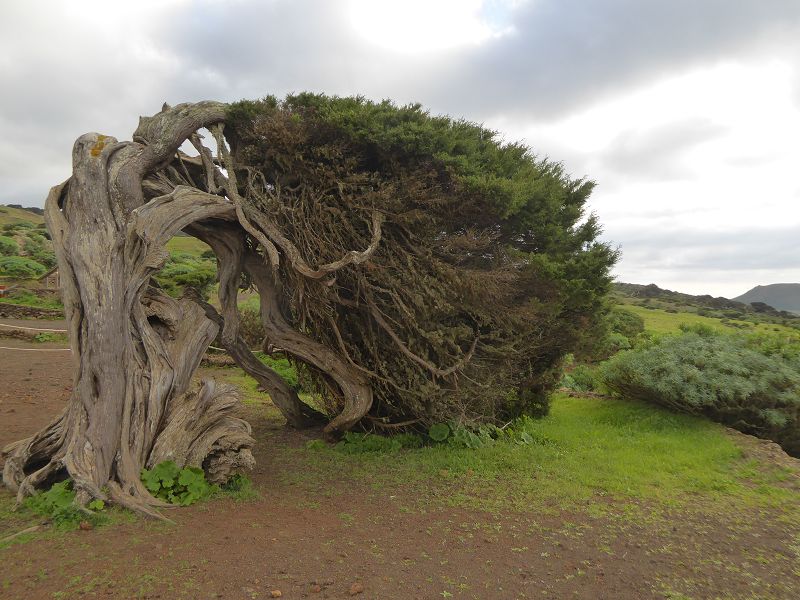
(750, 383)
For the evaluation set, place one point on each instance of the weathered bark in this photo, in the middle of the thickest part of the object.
(353, 385)
(135, 349)
(229, 246)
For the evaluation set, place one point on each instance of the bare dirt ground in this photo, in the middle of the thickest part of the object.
(353, 539)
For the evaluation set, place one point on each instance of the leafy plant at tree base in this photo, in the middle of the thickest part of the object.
(177, 485)
(439, 432)
(747, 384)
(58, 503)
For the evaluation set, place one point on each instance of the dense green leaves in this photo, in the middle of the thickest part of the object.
(488, 270)
(187, 270)
(175, 485)
(58, 504)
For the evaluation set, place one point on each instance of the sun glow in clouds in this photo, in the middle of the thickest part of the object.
(421, 26)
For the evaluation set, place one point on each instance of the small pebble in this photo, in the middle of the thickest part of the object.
(356, 588)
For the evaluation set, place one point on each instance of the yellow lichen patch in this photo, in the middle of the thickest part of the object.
(99, 145)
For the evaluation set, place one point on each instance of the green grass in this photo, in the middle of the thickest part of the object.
(24, 297)
(10, 215)
(187, 245)
(660, 321)
(249, 301)
(584, 451)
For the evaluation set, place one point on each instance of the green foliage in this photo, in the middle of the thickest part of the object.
(20, 267)
(618, 330)
(439, 432)
(360, 443)
(187, 270)
(49, 336)
(582, 378)
(175, 485)
(750, 384)
(284, 368)
(587, 454)
(250, 327)
(456, 436)
(58, 504)
(18, 226)
(483, 245)
(28, 298)
(239, 487)
(8, 246)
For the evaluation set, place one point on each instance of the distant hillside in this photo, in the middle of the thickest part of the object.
(17, 214)
(653, 297)
(783, 296)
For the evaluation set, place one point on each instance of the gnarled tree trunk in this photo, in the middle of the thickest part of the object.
(135, 349)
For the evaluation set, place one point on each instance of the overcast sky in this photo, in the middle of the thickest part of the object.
(686, 113)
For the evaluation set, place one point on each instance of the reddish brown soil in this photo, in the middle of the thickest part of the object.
(351, 537)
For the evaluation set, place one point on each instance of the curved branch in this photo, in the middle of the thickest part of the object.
(161, 218)
(355, 387)
(163, 133)
(354, 257)
(229, 247)
(376, 314)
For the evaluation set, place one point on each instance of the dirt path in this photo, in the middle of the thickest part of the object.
(354, 538)
(37, 324)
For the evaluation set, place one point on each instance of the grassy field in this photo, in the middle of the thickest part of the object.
(661, 321)
(583, 451)
(10, 215)
(188, 245)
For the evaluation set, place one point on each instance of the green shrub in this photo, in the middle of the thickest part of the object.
(12, 227)
(582, 378)
(8, 247)
(28, 298)
(626, 323)
(734, 380)
(186, 270)
(21, 267)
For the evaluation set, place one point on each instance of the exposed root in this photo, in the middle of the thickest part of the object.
(19, 533)
(137, 505)
(200, 427)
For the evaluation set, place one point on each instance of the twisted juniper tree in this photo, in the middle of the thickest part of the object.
(417, 270)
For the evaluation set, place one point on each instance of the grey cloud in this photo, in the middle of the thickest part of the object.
(278, 47)
(566, 53)
(656, 153)
(695, 249)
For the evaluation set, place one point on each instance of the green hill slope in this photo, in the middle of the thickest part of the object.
(10, 215)
(783, 296)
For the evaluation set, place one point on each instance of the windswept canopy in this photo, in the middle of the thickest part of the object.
(482, 270)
